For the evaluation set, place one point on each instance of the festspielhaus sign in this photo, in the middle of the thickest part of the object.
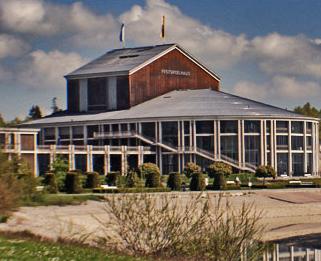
(175, 72)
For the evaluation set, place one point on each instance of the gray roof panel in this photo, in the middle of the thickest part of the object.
(120, 60)
(182, 103)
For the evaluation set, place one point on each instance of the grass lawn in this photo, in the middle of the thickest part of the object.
(27, 249)
(60, 199)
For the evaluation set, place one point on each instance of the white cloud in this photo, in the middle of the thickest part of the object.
(280, 87)
(12, 46)
(217, 47)
(289, 55)
(46, 70)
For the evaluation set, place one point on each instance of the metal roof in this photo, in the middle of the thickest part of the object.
(182, 103)
(120, 60)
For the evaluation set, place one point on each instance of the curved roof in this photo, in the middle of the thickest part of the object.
(183, 103)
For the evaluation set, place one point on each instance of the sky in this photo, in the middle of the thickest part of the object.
(267, 50)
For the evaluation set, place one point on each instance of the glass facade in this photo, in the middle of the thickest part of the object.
(170, 133)
(283, 163)
(228, 126)
(229, 146)
(252, 150)
(297, 164)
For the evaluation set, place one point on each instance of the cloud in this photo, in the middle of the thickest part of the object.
(280, 87)
(217, 47)
(12, 46)
(288, 55)
(45, 70)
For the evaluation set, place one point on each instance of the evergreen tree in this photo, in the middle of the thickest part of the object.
(35, 112)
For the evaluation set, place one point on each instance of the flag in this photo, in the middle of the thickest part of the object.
(163, 28)
(122, 33)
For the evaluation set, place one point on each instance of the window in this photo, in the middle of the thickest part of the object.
(309, 143)
(229, 146)
(282, 142)
(91, 130)
(170, 163)
(282, 163)
(2, 139)
(186, 127)
(77, 132)
(169, 133)
(282, 126)
(297, 126)
(228, 126)
(297, 164)
(97, 94)
(268, 127)
(252, 149)
(297, 142)
(309, 162)
(204, 127)
(252, 127)
(64, 133)
(205, 143)
(49, 133)
(148, 129)
(309, 127)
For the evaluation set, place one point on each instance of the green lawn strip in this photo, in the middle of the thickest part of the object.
(28, 249)
(60, 199)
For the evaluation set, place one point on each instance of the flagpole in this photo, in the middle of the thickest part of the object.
(163, 29)
(122, 35)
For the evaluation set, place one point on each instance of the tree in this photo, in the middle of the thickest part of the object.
(219, 168)
(54, 105)
(310, 111)
(191, 168)
(35, 112)
(265, 172)
(2, 122)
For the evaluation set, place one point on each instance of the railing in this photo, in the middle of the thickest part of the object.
(229, 159)
(117, 134)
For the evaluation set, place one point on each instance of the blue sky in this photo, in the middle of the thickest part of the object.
(267, 50)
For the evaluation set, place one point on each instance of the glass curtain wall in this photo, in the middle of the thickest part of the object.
(170, 133)
(229, 139)
(252, 142)
(205, 136)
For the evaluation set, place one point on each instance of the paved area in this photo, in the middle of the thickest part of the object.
(286, 213)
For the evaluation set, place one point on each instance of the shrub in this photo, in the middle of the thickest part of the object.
(132, 180)
(151, 173)
(265, 172)
(50, 183)
(73, 183)
(219, 182)
(92, 180)
(9, 194)
(191, 168)
(174, 181)
(111, 178)
(197, 182)
(218, 168)
(165, 228)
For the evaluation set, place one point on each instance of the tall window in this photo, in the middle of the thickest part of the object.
(252, 149)
(282, 163)
(97, 94)
(229, 146)
(228, 127)
(282, 126)
(297, 164)
(252, 126)
(169, 133)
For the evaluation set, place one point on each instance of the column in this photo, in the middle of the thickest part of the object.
(124, 162)
(71, 154)
(52, 155)
(179, 124)
(85, 135)
(35, 156)
(274, 150)
(107, 160)
(262, 141)
(239, 142)
(290, 150)
(215, 140)
(305, 157)
(243, 143)
(89, 159)
(194, 135)
(218, 140)
(141, 155)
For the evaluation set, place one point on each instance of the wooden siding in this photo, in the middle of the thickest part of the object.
(29, 159)
(27, 142)
(150, 82)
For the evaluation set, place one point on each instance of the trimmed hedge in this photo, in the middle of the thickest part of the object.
(131, 190)
(197, 182)
(219, 181)
(191, 168)
(92, 180)
(174, 181)
(219, 168)
(111, 178)
(132, 180)
(50, 183)
(151, 173)
(73, 183)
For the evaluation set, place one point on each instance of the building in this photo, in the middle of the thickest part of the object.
(159, 104)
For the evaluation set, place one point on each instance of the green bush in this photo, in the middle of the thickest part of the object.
(92, 180)
(197, 182)
(111, 178)
(219, 168)
(174, 181)
(73, 183)
(191, 168)
(132, 179)
(121, 181)
(243, 177)
(265, 172)
(151, 173)
(50, 183)
(219, 181)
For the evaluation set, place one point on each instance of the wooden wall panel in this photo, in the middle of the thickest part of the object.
(29, 159)
(152, 81)
(27, 142)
